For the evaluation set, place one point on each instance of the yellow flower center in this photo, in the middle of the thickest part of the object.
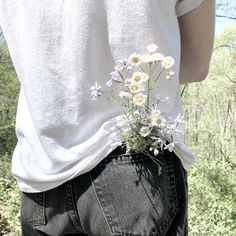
(137, 78)
(158, 121)
(168, 62)
(144, 130)
(135, 59)
(134, 88)
(139, 99)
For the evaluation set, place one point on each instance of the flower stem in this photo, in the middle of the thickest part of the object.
(149, 74)
(159, 74)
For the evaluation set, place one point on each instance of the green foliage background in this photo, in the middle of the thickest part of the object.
(210, 132)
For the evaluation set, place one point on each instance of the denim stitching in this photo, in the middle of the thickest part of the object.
(130, 158)
(126, 161)
(172, 194)
(107, 207)
(39, 217)
(95, 193)
(71, 206)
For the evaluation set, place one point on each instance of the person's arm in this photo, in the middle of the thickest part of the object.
(197, 30)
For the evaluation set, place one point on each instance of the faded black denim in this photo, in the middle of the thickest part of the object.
(122, 195)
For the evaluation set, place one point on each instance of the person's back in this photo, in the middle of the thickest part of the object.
(59, 49)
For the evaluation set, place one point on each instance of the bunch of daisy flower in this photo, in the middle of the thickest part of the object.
(149, 130)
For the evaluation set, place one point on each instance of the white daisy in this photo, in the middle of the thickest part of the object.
(168, 62)
(139, 99)
(152, 47)
(148, 120)
(158, 121)
(135, 88)
(157, 57)
(138, 78)
(135, 59)
(155, 112)
(146, 58)
(145, 131)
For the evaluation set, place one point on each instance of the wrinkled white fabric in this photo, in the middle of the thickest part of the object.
(59, 49)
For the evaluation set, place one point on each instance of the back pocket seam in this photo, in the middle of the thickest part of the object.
(107, 208)
(172, 194)
(95, 190)
(36, 201)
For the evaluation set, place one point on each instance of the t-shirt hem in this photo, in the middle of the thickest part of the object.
(186, 160)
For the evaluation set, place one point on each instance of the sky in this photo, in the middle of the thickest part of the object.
(225, 8)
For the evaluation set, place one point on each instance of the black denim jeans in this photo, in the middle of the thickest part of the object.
(122, 195)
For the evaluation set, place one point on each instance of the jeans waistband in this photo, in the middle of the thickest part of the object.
(122, 151)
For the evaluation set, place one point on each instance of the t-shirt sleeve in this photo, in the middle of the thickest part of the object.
(184, 6)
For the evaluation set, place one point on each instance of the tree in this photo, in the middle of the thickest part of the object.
(1, 36)
(210, 105)
(9, 84)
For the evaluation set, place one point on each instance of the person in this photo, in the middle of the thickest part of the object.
(73, 179)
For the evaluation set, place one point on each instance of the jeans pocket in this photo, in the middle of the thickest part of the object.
(134, 198)
(33, 208)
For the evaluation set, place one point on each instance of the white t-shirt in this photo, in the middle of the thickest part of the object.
(59, 49)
